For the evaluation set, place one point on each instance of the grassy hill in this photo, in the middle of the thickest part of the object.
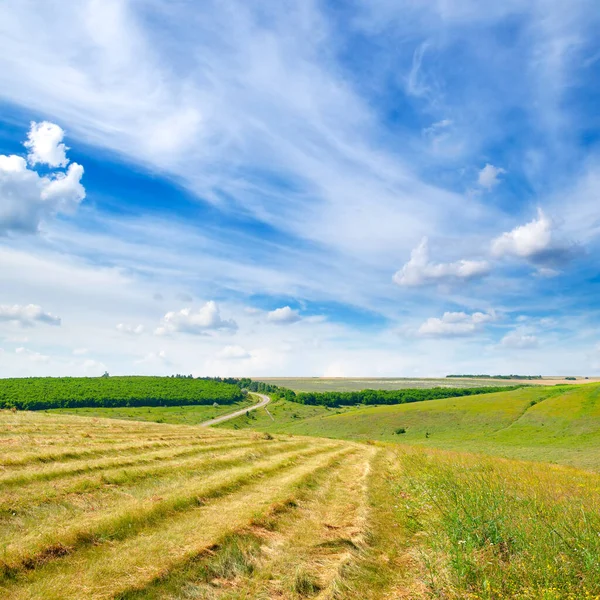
(556, 424)
(100, 508)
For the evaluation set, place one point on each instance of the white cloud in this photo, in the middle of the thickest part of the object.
(80, 351)
(27, 315)
(436, 128)
(519, 339)
(283, 315)
(420, 271)
(535, 241)
(207, 318)
(32, 356)
(26, 198)
(130, 329)
(488, 176)
(44, 142)
(455, 324)
(154, 357)
(233, 352)
(93, 365)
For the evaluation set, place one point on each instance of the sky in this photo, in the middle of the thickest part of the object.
(318, 188)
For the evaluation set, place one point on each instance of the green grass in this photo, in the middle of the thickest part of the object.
(554, 424)
(178, 415)
(492, 529)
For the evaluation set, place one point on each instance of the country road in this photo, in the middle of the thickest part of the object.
(263, 402)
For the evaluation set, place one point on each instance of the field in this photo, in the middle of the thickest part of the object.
(183, 415)
(553, 424)
(343, 384)
(102, 508)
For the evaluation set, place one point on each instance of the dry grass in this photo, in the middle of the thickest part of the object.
(94, 508)
(98, 509)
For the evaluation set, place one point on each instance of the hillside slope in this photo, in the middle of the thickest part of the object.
(100, 509)
(558, 424)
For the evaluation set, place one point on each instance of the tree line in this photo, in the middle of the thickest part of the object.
(366, 397)
(40, 393)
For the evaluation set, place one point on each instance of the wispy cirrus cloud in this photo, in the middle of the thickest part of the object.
(308, 171)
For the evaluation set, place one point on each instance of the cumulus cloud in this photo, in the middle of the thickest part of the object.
(455, 324)
(26, 198)
(44, 142)
(27, 315)
(488, 176)
(284, 315)
(519, 339)
(154, 357)
(130, 329)
(233, 353)
(32, 356)
(535, 241)
(420, 271)
(198, 322)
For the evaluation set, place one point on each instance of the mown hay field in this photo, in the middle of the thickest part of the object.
(101, 508)
(94, 508)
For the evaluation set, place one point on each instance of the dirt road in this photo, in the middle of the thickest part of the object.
(264, 400)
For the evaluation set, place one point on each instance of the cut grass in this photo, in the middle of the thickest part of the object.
(108, 570)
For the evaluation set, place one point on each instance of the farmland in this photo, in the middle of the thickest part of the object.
(351, 384)
(128, 508)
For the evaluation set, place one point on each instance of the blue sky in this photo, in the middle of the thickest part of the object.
(320, 188)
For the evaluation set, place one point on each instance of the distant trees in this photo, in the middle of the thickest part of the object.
(366, 397)
(403, 396)
(40, 393)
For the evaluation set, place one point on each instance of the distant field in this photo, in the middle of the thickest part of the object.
(94, 508)
(318, 384)
(178, 415)
(559, 424)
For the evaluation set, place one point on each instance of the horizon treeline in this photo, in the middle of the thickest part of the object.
(366, 397)
(40, 393)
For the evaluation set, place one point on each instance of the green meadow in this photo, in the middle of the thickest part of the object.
(183, 415)
(549, 423)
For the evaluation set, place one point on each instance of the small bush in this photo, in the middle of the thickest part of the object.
(400, 431)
